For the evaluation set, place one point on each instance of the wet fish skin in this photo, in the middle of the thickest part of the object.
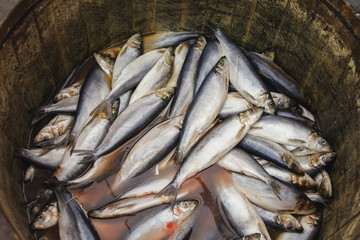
(73, 223)
(323, 183)
(243, 75)
(64, 84)
(66, 106)
(105, 62)
(186, 81)
(180, 54)
(150, 149)
(131, 121)
(317, 198)
(156, 77)
(47, 218)
(292, 201)
(157, 224)
(290, 132)
(270, 151)
(207, 61)
(282, 101)
(124, 101)
(204, 108)
(311, 225)
(42, 158)
(280, 221)
(241, 214)
(302, 181)
(40, 201)
(312, 164)
(56, 127)
(68, 92)
(234, 104)
(132, 49)
(297, 117)
(214, 145)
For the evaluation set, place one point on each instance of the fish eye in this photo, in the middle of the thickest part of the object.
(271, 104)
(323, 141)
(186, 205)
(251, 110)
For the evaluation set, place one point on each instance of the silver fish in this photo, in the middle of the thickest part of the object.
(243, 76)
(302, 181)
(129, 77)
(241, 214)
(186, 83)
(157, 224)
(299, 152)
(290, 114)
(66, 106)
(131, 121)
(212, 147)
(280, 221)
(270, 151)
(47, 218)
(317, 198)
(150, 149)
(132, 49)
(43, 158)
(29, 174)
(207, 61)
(180, 55)
(105, 62)
(234, 104)
(55, 128)
(93, 91)
(73, 223)
(238, 160)
(282, 101)
(292, 201)
(156, 77)
(68, 92)
(311, 225)
(40, 201)
(124, 101)
(288, 131)
(323, 183)
(203, 110)
(312, 164)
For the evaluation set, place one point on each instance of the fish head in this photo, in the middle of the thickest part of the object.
(183, 46)
(183, 209)
(135, 41)
(250, 116)
(200, 43)
(318, 142)
(46, 218)
(43, 136)
(322, 159)
(292, 163)
(304, 206)
(168, 56)
(254, 236)
(312, 220)
(270, 106)
(282, 101)
(305, 181)
(222, 67)
(288, 222)
(325, 186)
(165, 93)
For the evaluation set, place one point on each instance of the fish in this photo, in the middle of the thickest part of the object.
(299, 151)
(271, 151)
(89, 138)
(292, 201)
(287, 131)
(130, 76)
(40, 201)
(42, 158)
(234, 104)
(212, 147)
(208, 59)
(132, 49)
(311, 224)
(162, 223)
(290, 114)
(186, 82)
(93, 91)
(57, 126)
(66, 106)
(279, 221)
(124, 101)
(317, 198)
(278, 77)
(68, 92)
(181, 52)
(130, 122)
(150, 149)
(156, 77)
(73, 223)
(304, 182)
(312, 164)
(282, 101)
(105, 62)
(238, 160)
(203, 110)
(243, 76)
(241, 214)
(323, 183)
(47, 218)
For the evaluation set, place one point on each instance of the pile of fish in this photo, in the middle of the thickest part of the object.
(179, 135)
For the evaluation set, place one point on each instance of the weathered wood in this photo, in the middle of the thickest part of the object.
(316, 42)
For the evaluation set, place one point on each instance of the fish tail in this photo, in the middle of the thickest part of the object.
(72, 143)
(88, 156)
(170, 190)
(65, 141)
(178, 157)
(39, 115)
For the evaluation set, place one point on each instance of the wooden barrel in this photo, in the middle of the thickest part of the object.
(317, 42)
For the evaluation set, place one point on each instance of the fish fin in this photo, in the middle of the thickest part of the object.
(104, 106)
(196, 139)
(248, 96)
(241, 133)
(170, 190)
(275, 187)
(88, 156)
(178, 157)
(253, 236)
(65, 141)
(296, 141)
(256, 128)
(39, 115)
